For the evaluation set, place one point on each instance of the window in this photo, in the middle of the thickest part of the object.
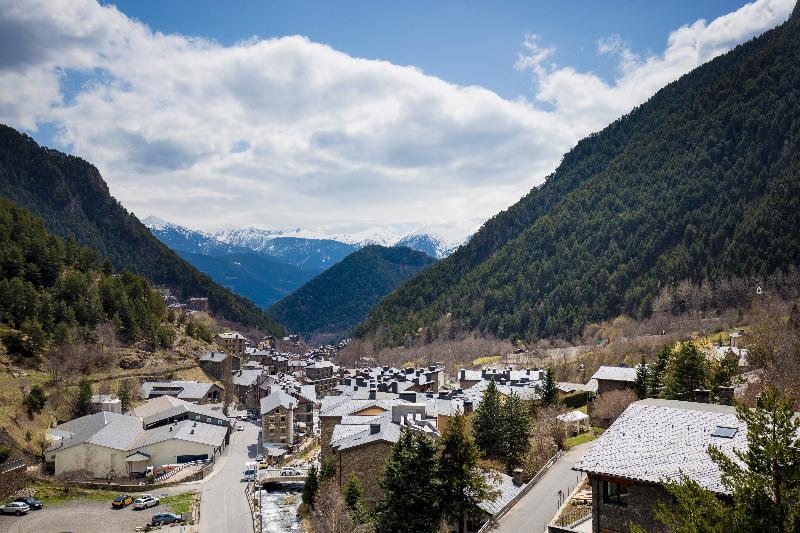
(271, 430)
(271, 418)
(283, 419)
(208, 419)
(283, 439)
(615, 493)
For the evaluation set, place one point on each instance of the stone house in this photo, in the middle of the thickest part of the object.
(213, 364)
(611, 378)
(652, 441)
(277, 418)
(200, 392)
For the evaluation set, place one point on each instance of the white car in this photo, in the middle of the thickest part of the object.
(144, 501)
(240, 428)
(17, 508)
(289, 472)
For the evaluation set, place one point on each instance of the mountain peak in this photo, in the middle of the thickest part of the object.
(153, 222)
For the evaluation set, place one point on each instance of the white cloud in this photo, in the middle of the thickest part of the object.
(287, 132)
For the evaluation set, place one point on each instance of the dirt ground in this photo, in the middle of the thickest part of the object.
(84, 517)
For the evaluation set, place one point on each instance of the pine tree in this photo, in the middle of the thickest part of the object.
(310, 487)
(516, 427)
(657, 372)
(124, 396)
(356, 501)
(686, 372)
(463, 485)
(327, 470)
(486, 426)
(410, 486)
(549, 390)
(35, 400)
(84, 404)
(642, 384)
(763, 479)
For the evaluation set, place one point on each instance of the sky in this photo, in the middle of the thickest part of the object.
(343, 116)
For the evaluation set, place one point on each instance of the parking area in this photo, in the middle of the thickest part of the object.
(81, 516)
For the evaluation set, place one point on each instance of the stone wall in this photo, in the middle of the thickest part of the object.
(367, 463)
(642, 502)
(327, 423)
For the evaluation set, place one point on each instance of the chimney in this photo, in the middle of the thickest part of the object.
(372, 394)
(725, 394)
(467, 407)
(374, 429)
(462, 374)
(702, 395)
(191, 432)
(517, 476)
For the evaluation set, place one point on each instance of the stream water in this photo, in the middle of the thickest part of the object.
(279, 510)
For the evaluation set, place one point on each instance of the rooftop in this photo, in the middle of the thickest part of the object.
(615, 373)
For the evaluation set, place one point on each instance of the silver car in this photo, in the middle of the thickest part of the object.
(144, 501)
(17, 508)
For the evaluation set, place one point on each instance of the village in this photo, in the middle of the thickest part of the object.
(265, 420)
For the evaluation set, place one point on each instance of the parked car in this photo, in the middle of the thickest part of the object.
(240, 428)
(33, 503)
(165, 518)
(17, 508)
(144, 501)
(289, 472)
(123, 500)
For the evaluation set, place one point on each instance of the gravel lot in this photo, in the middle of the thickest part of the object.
(83, 517)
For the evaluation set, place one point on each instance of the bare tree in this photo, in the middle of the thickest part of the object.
(607, 407)
(331, 514)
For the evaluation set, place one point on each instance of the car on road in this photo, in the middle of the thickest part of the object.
(259, 458)
(123, 500)
(289, 472)
(144, 501)
(240, 428)
(165, 518)
(33, 503)
(17, 508)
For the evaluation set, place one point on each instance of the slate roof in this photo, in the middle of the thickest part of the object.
(247, 377)
(107, 429)
(275, 399)
(186, 430)
(179, 409)
(214, 357)
(350, 438)
(655, 440)
(504, 484)
(615, 373)
(231, 335)
(187, 390)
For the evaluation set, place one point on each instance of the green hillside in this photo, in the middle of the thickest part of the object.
(72, 198)
(330, 305)
(49, 286)
(701, 182)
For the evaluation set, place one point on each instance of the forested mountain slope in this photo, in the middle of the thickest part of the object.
(701, 182)
(72, 198)
(330, 305)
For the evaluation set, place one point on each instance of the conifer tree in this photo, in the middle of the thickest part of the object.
(327, 470)
(686, 371)
(463, 484)
(642, 384)
(356, 501)
(515, 421)
(657, 372)
(410, 486)
(124, 395)
(486, 426)
(310, 487)
(549, 391)
(84, 404)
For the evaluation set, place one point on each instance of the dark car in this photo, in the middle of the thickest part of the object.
(165, 518)
(33, 503)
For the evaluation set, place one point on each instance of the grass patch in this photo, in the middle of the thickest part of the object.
(179, 503)
(58, 494)
(480, 361)
(583, 437)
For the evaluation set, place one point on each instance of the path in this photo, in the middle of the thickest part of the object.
(536, 509)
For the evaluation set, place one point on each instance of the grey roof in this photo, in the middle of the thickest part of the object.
(183, 407)
(214, 357)
(309, 392)
(107, 429)
(615, 373)
(186, 430)
(275, 399)
(247, 377)
(350, 406)
(186, 390)
(351, 436)
(655, 440)
(506, 488)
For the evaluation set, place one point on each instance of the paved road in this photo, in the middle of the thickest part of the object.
(536, 509)
(223, 506)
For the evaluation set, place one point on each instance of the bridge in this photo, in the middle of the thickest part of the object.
(273, 475)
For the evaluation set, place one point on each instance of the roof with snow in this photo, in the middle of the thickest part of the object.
(615, 373)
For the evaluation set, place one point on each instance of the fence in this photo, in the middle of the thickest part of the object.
(525, 489)
(13, 465)
(574, 514)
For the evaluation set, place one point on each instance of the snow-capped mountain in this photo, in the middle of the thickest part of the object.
(181, 239)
